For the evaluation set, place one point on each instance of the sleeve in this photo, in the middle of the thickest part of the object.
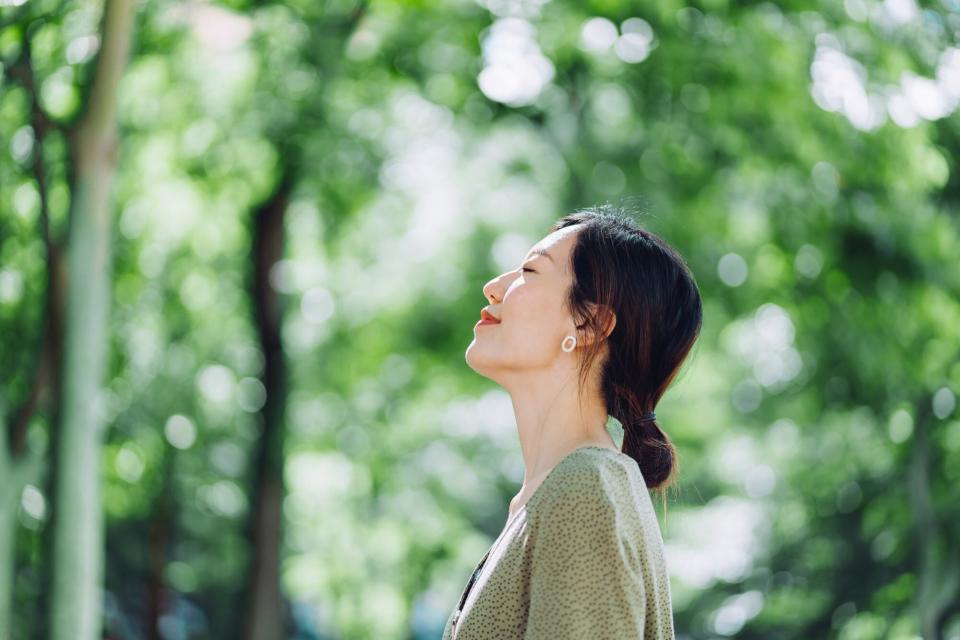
(583, 583)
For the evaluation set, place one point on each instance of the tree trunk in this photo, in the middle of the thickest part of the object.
(15, 474)
(76, 601)
(8, 534)
(265, 615)
(18, 464)
(938, 570)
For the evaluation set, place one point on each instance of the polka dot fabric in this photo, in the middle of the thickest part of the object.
(583, 558)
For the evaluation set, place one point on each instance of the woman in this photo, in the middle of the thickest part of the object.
(594, 323)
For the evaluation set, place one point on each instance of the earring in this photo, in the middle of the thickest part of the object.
(563, 345)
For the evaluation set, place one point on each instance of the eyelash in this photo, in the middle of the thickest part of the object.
(530, 270)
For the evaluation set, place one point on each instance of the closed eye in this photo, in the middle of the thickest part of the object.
(530, 270)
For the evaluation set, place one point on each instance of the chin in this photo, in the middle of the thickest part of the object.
(474, 362)
(469, 355)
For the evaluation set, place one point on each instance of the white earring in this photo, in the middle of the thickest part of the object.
(563, 345)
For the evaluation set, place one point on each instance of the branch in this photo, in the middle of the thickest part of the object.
(22, 71)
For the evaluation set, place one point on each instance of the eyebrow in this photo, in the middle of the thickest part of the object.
(541, 252)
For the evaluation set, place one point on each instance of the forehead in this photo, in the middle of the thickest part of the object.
(558, 243)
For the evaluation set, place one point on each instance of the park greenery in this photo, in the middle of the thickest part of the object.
(242, 245)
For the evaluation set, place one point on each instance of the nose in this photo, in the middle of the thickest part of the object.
(488, 292)
(493, 290)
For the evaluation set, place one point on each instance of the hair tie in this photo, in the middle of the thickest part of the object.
(650, 416)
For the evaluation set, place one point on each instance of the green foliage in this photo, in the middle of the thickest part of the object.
(816, 422)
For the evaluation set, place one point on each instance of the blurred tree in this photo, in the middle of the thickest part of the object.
(77, 523)
(264, 614)
(19, 465)
(314, 194)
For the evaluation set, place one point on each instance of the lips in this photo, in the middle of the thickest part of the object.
(486, 316)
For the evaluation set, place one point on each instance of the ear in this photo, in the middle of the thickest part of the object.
(607, 321)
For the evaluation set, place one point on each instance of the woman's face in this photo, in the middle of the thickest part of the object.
(528, 301)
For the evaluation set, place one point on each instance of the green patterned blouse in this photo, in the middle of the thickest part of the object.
(583, 558)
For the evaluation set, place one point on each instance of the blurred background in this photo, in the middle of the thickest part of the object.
(242, 246)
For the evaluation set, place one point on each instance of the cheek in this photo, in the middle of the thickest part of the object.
(535, 307)
(531, 321)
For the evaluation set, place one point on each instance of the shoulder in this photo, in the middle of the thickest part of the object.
(589, 471)
(583, 491)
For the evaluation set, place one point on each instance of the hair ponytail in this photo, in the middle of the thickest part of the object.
(624, 269)
(651, 448)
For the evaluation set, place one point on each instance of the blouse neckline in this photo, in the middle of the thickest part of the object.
(522, 509)
(565, 458)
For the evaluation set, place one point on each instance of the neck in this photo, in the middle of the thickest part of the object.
(551, 422)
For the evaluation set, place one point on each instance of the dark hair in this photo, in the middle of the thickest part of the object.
(654, 296)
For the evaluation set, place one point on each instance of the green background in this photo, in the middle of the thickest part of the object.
(800, 155)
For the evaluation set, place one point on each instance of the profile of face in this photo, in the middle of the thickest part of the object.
(529, 303)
